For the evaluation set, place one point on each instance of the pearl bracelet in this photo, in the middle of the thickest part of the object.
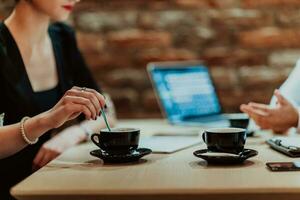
(22, 129)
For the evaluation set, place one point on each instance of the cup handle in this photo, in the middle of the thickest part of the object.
(203, 137)
(93, 136)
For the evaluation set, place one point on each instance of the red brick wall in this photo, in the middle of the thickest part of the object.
(250, 45)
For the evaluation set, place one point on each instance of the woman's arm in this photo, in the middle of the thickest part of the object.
(11, 140)
(72, 104)
(72, 136)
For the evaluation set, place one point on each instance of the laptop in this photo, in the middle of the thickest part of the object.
(187, 95)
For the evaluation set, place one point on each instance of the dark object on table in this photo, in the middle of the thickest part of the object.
(284, 147)
(133, 156)
(225, 158)
(227, 140)
(117, 140)
(241, 122)
(283, 166)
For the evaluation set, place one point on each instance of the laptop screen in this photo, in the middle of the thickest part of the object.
(185, 92)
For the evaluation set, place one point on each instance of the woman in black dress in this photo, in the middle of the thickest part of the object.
(39, 62)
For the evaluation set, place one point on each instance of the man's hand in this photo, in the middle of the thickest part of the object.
(279, 119)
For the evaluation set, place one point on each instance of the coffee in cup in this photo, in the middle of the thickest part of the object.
(118, 140)
(228, 140)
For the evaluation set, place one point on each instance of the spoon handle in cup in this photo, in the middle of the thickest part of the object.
(105, 119)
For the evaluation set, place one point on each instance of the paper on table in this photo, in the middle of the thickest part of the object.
(169, 144)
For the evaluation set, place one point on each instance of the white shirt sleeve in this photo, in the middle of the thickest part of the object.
(290, 89)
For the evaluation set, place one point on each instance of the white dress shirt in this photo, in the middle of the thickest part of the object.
(290, 89)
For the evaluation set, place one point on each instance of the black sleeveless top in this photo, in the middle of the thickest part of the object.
(48, 98)
(17, 98)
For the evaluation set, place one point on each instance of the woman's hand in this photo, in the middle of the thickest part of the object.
(279, 119)
(58, 144)
(73, 103)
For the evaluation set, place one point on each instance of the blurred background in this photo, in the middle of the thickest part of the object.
(250, 45)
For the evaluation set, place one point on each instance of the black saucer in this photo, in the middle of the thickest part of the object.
(121, 158)
(227, 159)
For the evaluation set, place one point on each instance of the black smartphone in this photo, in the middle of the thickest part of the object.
(284, 166)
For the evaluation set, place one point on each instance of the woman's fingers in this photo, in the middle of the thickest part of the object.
(48, 156)
(74, 115)
(97, 99)
(82, 109)
(82, 101)
(38, 159)
(88, 95)
(100, 98)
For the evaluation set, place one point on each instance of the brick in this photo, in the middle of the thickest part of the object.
(193, 37)
(137, 38)
(125, 99)
(90, 42)
(260, 77)
(120, 5)
(105, 21)
(284, 58)
(263, 95)
(169, 18)
(130, 78)
(155, 55)
(224, 77)
(233, 57)
(98, 61)
(153, 4)
(236, 18)
(232, 99)
(270, 3)
(288, 17)
(270, 38)
(150, 103)
(205, 3)
(166, 19)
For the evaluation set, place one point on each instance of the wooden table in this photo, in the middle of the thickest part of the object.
(179, 176)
